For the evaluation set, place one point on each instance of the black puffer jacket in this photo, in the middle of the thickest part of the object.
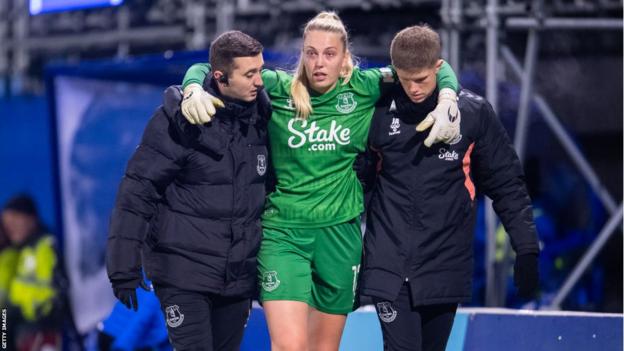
(422, 210)
(192, 198)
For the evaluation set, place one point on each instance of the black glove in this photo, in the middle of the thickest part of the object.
(365, 167)
(526, 275)
(126, 292)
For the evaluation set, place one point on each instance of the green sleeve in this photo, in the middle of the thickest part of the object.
(196, 74)
(271, 80)
(368, 80)
(446, 77)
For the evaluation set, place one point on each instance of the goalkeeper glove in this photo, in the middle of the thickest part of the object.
(198, 106)
(445, 119)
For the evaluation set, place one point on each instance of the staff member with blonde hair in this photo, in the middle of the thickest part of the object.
(311, 247)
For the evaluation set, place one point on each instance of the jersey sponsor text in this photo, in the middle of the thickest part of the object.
(319, 139)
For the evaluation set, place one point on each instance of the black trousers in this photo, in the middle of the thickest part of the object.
(414, 328)
(202, 321)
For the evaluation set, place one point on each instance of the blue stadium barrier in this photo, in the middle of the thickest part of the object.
(481, 329)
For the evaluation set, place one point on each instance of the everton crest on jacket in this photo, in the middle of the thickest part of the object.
(191, 198)
(422, 209)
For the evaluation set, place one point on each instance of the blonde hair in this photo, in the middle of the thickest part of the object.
(327, 22)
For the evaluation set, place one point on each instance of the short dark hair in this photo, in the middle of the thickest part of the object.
(416, 47)
(230, 45)
(22, 203)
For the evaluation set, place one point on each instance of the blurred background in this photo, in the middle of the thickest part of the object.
(80, 78)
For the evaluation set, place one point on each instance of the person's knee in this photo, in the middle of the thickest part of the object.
(289, 343)
(289, 338)
(324, 346)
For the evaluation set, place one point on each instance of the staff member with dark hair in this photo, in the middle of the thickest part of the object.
(191, 198)
(418, 246)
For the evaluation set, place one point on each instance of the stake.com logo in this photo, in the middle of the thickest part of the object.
(318, 138)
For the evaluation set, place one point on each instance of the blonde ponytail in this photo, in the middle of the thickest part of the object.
(299, 91)
(326, 21)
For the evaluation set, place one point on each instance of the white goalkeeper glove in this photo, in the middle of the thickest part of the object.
(198, 106)
(445, 119)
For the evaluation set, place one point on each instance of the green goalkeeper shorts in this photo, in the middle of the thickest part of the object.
(318, 266)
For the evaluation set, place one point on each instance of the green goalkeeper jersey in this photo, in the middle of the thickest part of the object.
(313, 158)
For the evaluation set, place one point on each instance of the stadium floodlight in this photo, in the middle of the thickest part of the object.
(37, 7)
